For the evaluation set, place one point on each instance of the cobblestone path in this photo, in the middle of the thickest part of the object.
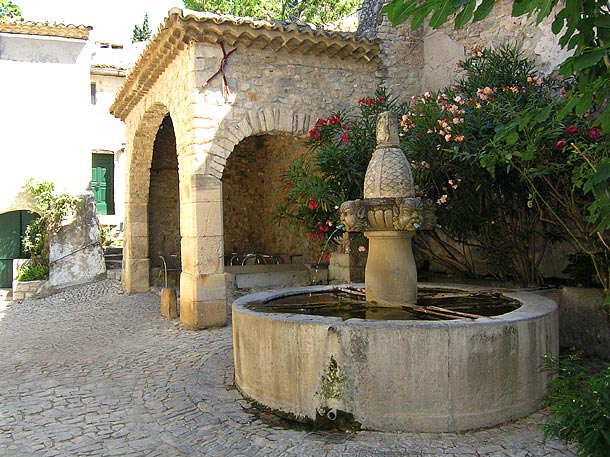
(93, 371)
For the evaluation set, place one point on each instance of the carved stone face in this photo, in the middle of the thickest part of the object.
(353, 216)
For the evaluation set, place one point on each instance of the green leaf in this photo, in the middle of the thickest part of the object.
(602, 21)
(544, 9)
(557, 24)
(604, 121)
(420, 13)
(567, 109)
(521, 7)
(483, 10)
(512, 137)
(544, 113)
(465, 15)
(399, 11)
(584, 103)
(588, 59)
(441, 14)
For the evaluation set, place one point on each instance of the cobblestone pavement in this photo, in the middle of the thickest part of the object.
(93, 371)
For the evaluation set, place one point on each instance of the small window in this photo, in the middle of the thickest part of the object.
(93, 94)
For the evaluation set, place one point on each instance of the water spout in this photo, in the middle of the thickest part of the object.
(315, 276)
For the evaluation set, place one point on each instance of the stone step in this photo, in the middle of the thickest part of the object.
(113, 250)
(114, 257)
(114, 264)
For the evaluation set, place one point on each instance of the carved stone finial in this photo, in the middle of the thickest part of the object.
(387, 130)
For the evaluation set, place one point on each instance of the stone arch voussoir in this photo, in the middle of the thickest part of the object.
(270, 119)
(139, 159)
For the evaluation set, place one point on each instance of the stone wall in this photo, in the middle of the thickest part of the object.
(402, 55)
(252, 189)
(445, 47)
(164, 197)
(28, 290)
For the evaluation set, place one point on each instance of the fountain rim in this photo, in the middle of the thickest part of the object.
(531, 304)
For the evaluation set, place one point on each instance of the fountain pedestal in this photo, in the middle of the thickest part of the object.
(389, 216)
(390, 265)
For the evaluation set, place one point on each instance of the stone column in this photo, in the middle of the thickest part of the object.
(203, 290)
(136, 264)
(391, 273)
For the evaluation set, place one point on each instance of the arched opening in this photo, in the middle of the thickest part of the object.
(12, 229)
(164, 207)
(251, 190)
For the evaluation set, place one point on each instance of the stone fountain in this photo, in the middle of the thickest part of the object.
(389, 216)
(393, 375)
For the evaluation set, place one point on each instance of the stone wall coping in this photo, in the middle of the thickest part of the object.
(181, 28)
(80, 32)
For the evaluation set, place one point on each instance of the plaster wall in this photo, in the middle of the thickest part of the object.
(402, 56)
(108, 137)
(445, 47)
(45, 115)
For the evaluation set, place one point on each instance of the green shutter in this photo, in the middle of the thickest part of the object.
(102, 182)
(12, 229)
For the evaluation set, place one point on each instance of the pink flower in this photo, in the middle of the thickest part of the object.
(593, 133)
(559, 145)
(312, 204)
(361, 248)
(344, 138)
(571, 130)
(442, 200)
(321, 122)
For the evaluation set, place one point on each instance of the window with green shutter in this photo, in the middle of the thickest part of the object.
(102, 182)
(12, 229)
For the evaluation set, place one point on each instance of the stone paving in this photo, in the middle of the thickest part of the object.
(93, 371)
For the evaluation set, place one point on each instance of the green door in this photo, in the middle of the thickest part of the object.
(12, 229)
(102, 182)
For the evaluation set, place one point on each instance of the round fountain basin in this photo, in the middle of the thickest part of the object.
(395, 375)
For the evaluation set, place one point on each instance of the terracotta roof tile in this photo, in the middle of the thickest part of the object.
(182, 27)
(80, 32)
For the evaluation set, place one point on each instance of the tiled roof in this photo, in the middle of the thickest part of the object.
(80, 32)
(182, 27)
(107, 65)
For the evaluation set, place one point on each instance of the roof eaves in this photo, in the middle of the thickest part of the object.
(80, 32)
(180, 28)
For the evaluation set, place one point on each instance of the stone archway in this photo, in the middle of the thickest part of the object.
(164, 207)
(224, 81)
(252, 189)
(136, 261)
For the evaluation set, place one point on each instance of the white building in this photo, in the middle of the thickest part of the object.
(55, 90)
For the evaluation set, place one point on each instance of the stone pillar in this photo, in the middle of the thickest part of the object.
(203, 290)
(136, 264)
(391, 273)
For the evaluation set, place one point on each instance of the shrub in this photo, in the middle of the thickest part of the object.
(33, 272)
(580, 406)
(332, 171)
(53, 208)
(486, 210)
